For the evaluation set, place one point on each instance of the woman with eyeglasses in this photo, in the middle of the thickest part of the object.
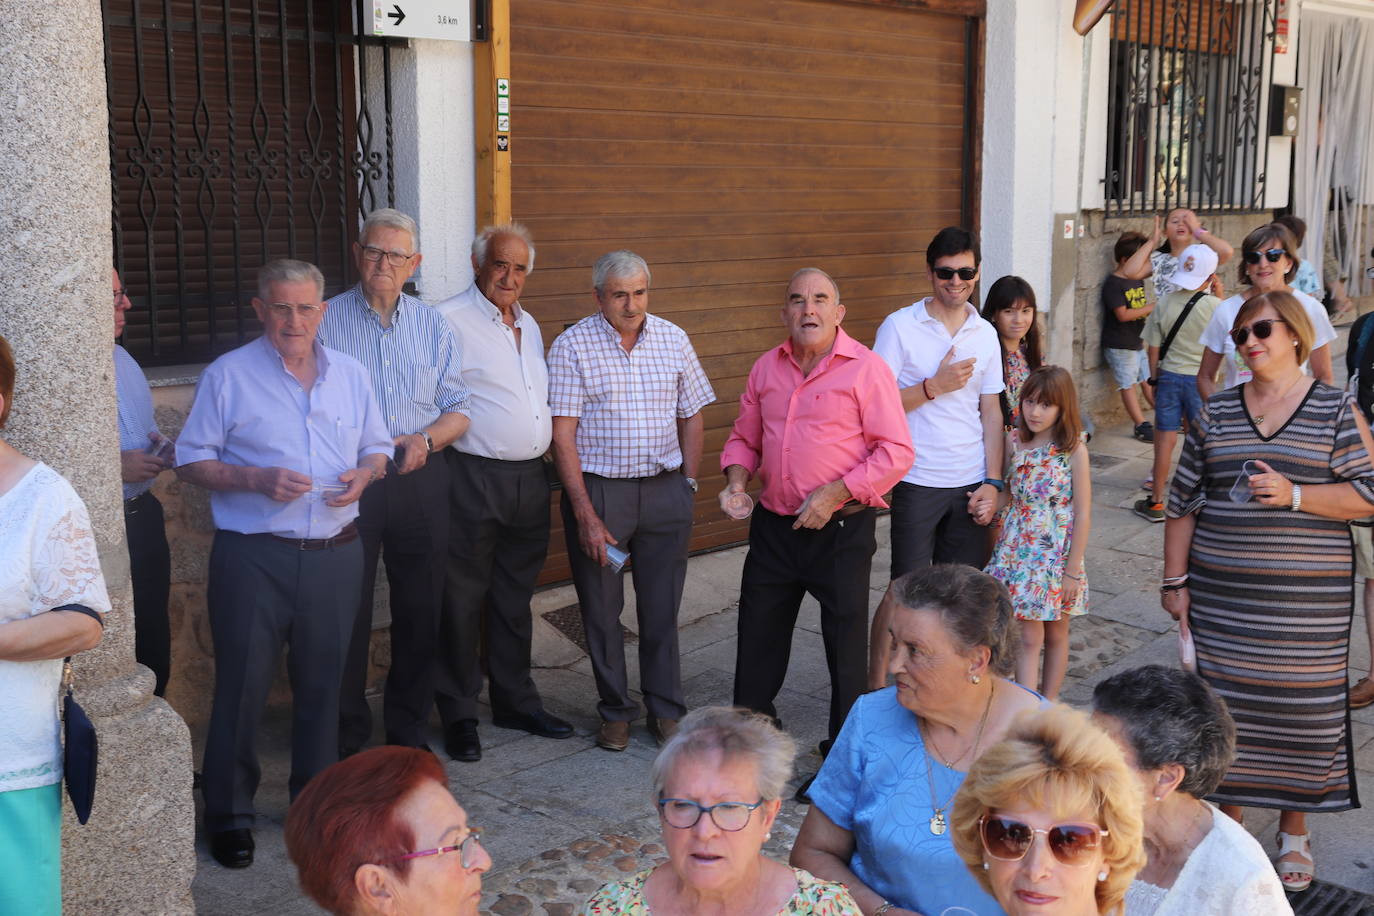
(1048, 819)
(1179, 740)
(1258, 568)
(380, 833)
(718, 784)
(1269, 261)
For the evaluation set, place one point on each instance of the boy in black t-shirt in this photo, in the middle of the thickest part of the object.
(1124, 310)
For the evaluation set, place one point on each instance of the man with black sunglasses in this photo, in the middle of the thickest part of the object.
(948, 365)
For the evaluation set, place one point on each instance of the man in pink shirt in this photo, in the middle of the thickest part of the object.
(821, 425)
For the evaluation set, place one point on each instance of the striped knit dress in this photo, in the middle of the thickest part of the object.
(1272, 596)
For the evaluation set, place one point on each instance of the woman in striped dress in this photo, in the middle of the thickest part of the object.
(1258, 564)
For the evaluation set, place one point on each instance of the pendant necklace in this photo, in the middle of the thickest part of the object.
(1259, 418)
(938, 822)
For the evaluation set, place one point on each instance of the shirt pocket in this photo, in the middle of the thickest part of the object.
(424, 385)
(831, 417)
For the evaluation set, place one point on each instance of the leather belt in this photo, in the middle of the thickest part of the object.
(848, 510)
(348, 533)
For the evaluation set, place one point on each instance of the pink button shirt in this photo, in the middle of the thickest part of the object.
(843, 421)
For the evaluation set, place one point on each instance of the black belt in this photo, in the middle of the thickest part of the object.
(349, 533)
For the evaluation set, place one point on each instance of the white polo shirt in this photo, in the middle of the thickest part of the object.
(1217, 335)
(947, 432)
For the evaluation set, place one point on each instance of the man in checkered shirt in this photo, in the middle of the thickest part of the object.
(626, 393)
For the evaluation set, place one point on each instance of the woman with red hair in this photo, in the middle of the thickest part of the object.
(380, 833)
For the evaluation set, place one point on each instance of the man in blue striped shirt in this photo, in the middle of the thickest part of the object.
(412, 358)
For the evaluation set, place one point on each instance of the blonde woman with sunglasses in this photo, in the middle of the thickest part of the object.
(1268, 263)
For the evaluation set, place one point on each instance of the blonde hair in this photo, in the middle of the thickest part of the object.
(1290, 310)
(1055, 759)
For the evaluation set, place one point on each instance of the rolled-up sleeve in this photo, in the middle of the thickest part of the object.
(745, 444)
(886, 433)
(373, 437)
(202, 438)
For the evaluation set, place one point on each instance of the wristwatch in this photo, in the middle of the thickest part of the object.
(999, 485)
(692, 482)
(429, 443)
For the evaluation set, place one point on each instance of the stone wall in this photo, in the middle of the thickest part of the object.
(1096, 388)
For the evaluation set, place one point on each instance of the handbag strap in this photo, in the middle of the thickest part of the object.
(1178, 324)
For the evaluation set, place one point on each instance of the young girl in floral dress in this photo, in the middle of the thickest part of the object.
(1039, 555)
(1010, 308)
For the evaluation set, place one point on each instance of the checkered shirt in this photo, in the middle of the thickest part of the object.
(627, 404)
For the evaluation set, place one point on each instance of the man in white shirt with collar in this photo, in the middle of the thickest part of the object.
(498, 498)
(948, 365)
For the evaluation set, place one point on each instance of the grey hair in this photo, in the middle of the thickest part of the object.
(285, 270)
(816, 270)
(392, 219)
(974, 608)
(481, 246)
(1169, 715)
(736, 734)
(616, 264)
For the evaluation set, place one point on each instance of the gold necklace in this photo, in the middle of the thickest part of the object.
(1278, 402)
(938, 823)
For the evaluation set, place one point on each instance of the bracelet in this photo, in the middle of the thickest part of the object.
(887, 905)
(1176, 587)
(996, 483)
(1170, 579)
(1069, 575)
(1297, 498)
(929, 397)
(1199, 232)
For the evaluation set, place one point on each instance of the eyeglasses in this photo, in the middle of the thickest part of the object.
(284, 309)
(467, 850)
(393, 258)
(1009, 840)
(1262, 328)
(947, 273)
(120, 294)
(683, 813)
(1271, 255)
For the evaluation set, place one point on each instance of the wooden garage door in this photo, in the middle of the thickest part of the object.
(730, 142)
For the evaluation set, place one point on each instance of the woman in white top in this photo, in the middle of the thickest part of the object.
(1176, 733)
(51, 597)
(1269, 261)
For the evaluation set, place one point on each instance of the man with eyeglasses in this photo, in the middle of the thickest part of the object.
(498, 501)
(948, 365)
(413, 361)
(286, 435)
(144, 453)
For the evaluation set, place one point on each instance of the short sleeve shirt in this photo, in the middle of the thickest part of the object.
(1185, 352)
(947, 433)
(1217, 336)
(627, 402)
(1163, 264)
(1118, 292)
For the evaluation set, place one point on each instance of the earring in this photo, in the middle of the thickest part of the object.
(1102, 876)
(1157, 798)
(986, 866)
(976, 679)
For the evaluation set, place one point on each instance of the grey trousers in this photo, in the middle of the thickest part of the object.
(264, 593)
(651, 517)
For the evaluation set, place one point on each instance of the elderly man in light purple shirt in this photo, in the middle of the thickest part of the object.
(286, 434)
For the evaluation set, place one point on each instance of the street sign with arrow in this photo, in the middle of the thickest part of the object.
(449, 20)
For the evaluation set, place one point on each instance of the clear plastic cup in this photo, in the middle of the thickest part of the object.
(616, 557)
(1240, 490)
(322, 490)
(739, 506)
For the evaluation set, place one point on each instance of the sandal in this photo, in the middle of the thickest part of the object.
(1294, 875)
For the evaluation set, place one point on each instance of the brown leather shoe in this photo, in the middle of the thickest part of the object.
(662, 729)
(1362, 694)
(613, 736)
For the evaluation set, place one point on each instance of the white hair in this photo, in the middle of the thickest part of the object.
(285, 270)
(816, 270)
(617, 264)
(392, 219)
(735, 734)
(481, 246)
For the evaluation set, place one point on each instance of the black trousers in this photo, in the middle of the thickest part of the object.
(651, 518)
(833, 564)
(404, 517)
(263, 594)
(932, 525)
(498, 539)
(150, 568)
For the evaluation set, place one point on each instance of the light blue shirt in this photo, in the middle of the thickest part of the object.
(136, 419)
(250, 411)
(414, 364)
(873, 784)
(1307, 280)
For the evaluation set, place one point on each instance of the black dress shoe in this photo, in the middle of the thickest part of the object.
(802, 795)
(232, 848)
(539, 722)
(461, 742)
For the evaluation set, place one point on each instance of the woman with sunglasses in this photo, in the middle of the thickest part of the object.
(379, 833)
(1269, 261)
(1049, 820)
(718, 784)
(1181, 229)
(1258, 566)
(1179, 740)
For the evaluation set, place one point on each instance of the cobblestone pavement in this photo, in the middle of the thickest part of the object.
(562, 817)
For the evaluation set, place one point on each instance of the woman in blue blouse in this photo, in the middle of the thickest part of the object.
(879, 819)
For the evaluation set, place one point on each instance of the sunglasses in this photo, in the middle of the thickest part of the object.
(947, 273)
(1009, 840)
(1271, 255)
(1262, 328)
